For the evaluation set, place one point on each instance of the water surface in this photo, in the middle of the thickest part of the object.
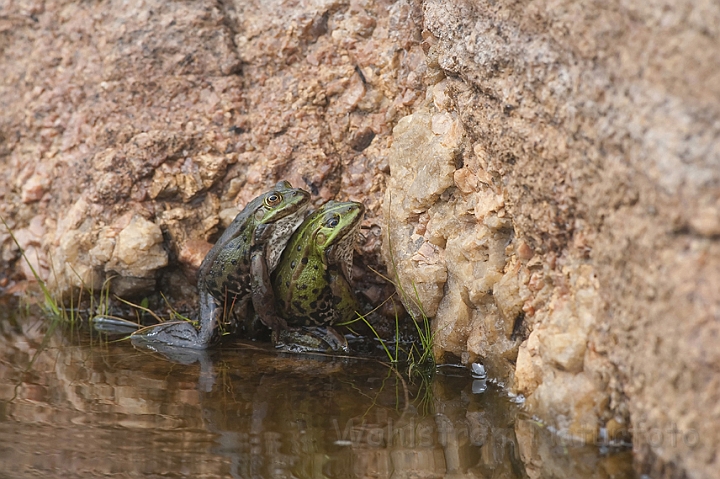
(75, 405)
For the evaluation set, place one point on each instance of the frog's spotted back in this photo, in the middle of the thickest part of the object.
(312, 280)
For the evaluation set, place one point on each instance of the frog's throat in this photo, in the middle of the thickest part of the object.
(281, 232)
(341, 254)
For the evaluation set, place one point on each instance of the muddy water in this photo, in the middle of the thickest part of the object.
(73, 405)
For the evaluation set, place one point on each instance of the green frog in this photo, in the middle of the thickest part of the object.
(312, 283)
(237, 270)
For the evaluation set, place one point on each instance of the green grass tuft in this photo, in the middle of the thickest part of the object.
(50, 304)
(420, 357)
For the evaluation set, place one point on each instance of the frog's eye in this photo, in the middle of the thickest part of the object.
(332, 222)
(273, 199)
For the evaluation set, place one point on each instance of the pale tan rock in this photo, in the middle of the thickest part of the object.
(529, 366)
(193, 252)
(419, 266)
(452, 322)
(706, 221)
(415, 143)
(34, 264)
(210, 168)
(575, 312)
(75, 215)
(102, 252)
(487, 201)
(573, 400)
(441, 123)
(441, 99)
(72, 267)
(461, 233)
(227, 216)
(138, 251)
(352, 94)
(34, 188)
(564, 351)
(465, 180)
(164, 183)
(506, 293)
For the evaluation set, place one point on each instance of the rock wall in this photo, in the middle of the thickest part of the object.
(576, 250)
(150, 123)
(547, 174)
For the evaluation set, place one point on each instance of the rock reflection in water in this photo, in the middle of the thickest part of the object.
(80, 407)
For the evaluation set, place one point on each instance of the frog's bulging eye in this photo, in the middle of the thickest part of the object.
(273, 199)
(332, 222)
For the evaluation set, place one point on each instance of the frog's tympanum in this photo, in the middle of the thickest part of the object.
(312, 282)
(237, 270)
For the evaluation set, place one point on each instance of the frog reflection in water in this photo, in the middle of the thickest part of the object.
(237, 269)
(312, 282)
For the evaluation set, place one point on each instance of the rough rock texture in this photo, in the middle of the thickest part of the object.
(554, 187)
(168, 117)
(587, 204)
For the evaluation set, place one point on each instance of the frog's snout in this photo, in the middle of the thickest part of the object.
(359, 207)
(301, 193)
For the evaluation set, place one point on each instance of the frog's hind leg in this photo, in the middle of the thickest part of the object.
(183, 334)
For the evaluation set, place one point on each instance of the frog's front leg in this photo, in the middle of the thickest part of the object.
(345, 304)
(263, 297)
(183, 334)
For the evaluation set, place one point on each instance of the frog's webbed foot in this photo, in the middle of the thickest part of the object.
(183, 334)
(180, 334)
(311, 339)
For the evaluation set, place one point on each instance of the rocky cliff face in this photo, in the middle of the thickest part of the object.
(546, 175)
(585, 202)
(132, 133)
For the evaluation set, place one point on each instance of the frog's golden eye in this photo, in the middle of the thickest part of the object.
(332, 222)
(273, 199)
